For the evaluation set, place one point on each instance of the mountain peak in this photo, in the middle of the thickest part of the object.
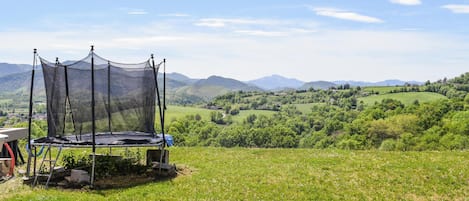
(276, 81)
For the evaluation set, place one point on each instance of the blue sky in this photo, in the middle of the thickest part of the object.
(366, 40)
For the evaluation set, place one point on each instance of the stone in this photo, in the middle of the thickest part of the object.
(79, 176)
(5, 166)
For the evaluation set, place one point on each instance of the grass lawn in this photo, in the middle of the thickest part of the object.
(243, 114)
(177, 112)
(381, 89)
(306, 108)
(288, 174)
(405, 97)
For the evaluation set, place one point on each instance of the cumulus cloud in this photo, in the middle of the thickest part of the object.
(457, 8)
(407, 2)
(346, 15)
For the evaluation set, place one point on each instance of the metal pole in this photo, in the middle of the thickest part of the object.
(155, 75)
(164, 100)
(66, 97)
(30, 116)
(35, 160)
(109, 96)
(93, 124)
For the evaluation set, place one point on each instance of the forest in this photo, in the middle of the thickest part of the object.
(338, 118)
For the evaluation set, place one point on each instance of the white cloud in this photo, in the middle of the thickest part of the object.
(278, 33)
(248, 54)
(407, 2)
(138, 41)
(262, 33)
(175, 15)
(223, 22)
(346, 15)
(457, 8)
(137, 12)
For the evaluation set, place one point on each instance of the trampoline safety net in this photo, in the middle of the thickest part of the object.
(124, 97)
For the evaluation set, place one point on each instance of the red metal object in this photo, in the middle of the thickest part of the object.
(12, 165)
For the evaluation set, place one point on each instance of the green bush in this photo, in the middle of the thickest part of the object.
(349, 144)
(454, 142)
(388, 145)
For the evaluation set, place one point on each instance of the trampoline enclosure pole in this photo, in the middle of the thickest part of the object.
(155, 75)
(93, 123)
(30, 115)
(164, 101)
(109, 96)
(93, 117)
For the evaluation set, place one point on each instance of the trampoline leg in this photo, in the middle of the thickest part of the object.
(92, 170)
(28, 166)
(35, 161)
(161, 159)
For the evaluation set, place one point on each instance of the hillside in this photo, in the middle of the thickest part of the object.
(318, 85)
(179, 77)
(380, 83)
(228, 83)
(213, 86)
(406, 98)
(7, 69)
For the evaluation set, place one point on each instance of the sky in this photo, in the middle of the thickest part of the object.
(367, 40)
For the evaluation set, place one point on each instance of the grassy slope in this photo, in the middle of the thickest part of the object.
(176, 112)
(406, 98)
(306, 108)
(381, 89)
(243, 114)
(289, 174)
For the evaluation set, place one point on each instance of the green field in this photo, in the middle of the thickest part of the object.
(176, 112)
(381, 89)
(245, 113)
(287, 174)
(406, 97)
(306, 108)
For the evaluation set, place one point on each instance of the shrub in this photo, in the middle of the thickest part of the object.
(349, 144)
(388, 145)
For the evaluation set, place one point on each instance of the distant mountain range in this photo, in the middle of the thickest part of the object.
(183, 89)
(7, 69)
(276, 82)
(381, 83)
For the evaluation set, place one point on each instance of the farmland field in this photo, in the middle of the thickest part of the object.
(176, 112)
(381, 89)
(288, 174)
(306, 108)
(245, 113)
(406, 97)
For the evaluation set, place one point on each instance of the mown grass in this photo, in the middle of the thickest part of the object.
(306, 108)
(381, 89)
(243, 114)
(405, 97)
(288, 174)
(177, 112)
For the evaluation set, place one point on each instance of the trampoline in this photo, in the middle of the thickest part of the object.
(95, 102)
